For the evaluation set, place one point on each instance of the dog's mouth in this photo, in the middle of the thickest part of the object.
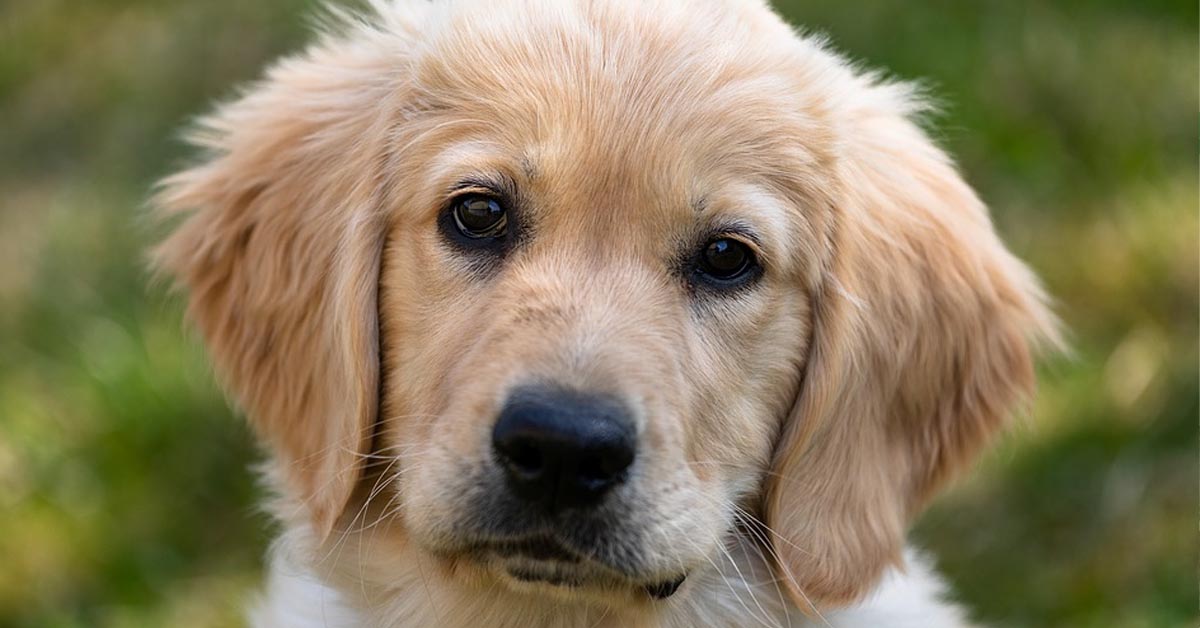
(537, 548)
(544, 560)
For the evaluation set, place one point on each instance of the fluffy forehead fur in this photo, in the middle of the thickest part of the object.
(788, 431)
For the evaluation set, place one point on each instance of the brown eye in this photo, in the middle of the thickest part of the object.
(726, 259)
(478, 216)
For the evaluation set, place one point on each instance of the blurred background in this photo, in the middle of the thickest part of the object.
(125, 494)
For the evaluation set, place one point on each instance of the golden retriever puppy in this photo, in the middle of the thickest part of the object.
(596, 313)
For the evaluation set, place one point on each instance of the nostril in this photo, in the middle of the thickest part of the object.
(604, 467)
(592, 471)
(524, 457)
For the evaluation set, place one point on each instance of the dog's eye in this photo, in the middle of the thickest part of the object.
(478, 216)
(726, 260)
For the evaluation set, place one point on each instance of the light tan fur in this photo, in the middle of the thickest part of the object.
(803, 422)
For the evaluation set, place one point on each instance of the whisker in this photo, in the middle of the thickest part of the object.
(721, 574)
(735, 509)
(345, 534)
(738, 570)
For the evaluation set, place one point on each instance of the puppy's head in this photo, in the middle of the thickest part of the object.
(581, 289)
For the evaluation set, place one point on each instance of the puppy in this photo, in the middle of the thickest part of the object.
(596, 313)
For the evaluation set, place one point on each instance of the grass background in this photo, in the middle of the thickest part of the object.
(125, 498)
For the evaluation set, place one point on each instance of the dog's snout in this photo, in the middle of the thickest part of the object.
(563, 448)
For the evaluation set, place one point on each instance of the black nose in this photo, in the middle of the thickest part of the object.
(563, 448)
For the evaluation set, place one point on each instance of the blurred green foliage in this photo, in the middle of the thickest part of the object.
(125, 493)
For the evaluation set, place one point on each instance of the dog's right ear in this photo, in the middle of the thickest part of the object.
(279, 252)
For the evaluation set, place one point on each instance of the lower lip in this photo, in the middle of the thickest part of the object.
(535, 549)
(657, 591)
(557, 580)
(552, 556)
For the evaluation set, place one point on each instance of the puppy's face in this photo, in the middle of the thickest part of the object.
(593, 325)
(594, 290)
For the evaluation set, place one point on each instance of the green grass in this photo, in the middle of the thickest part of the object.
(125, 495)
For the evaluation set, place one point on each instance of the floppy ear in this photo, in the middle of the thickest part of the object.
(279, 253)
(922, 340)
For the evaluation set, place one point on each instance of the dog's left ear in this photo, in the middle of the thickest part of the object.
(279, 253)
(923, 334)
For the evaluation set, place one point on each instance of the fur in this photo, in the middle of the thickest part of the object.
(788, 431)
